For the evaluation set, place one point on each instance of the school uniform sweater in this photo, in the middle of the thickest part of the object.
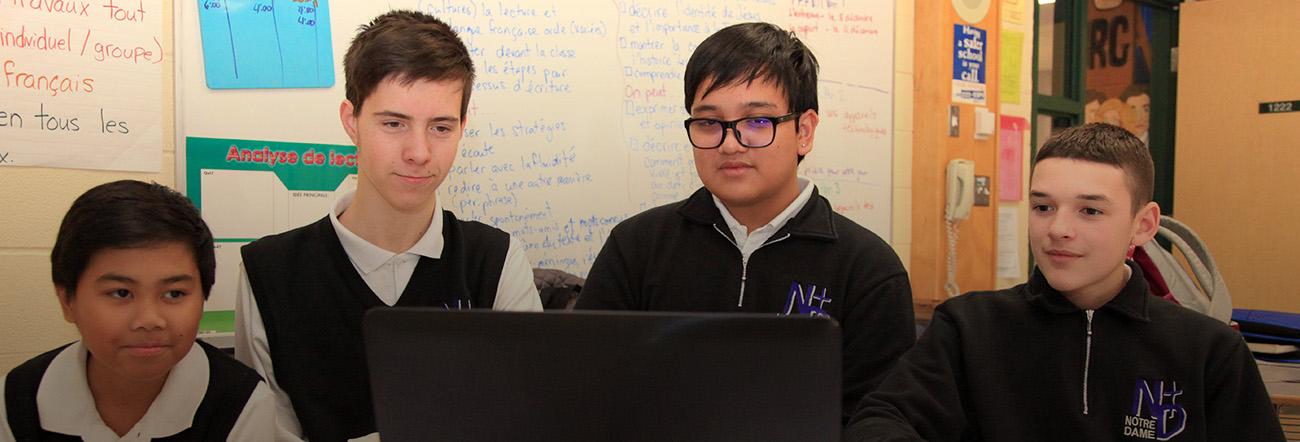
(230, 402)
(683, 257)
(312, 300)
(1026, 364)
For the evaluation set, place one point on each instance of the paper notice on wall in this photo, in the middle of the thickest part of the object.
(1008, 243)
(267, 45)
(968, 65)
(1011, 133)
(1013, 11)
(82, 82)
(247, 189)
(1012, 48)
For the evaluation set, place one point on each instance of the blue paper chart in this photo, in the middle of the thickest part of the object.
(266, 43)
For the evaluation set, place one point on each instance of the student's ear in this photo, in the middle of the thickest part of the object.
(807, 129)
(1146, 223)
(348, 116)
(65, 302)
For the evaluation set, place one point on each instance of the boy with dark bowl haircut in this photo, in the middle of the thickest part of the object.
(132, 265)
(1082, 351)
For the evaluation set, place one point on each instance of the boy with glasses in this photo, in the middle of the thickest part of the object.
(758, 238)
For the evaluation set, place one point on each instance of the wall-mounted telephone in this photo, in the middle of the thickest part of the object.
(961, 190)
(960, 197)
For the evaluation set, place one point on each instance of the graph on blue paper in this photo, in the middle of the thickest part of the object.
(266, 43)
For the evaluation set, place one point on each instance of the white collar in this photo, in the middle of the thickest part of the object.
(369, 257)
(66, 406)
(737, 229)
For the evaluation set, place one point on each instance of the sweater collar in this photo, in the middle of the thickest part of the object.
(1132, 300)
(813, 221)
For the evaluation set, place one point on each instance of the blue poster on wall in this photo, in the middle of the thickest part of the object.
(968, 65)
(266, 43)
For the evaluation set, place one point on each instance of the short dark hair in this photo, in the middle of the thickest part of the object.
(1133, 90)
(406, 46)
(1106, 144)
(745, 52)
(129, 214)
(1093, 95)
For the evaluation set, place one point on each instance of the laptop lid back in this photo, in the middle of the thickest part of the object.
(602, 376)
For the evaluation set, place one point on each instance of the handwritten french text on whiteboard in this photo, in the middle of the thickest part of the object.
(575, 122)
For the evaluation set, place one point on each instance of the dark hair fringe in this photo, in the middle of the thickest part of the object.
(129, 214)
(1106, 144)
(746, 52)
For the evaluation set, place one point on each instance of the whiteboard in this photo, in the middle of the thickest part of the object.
(576, 118)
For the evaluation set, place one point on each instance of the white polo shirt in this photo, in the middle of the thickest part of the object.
(66, 406)
(747, 241)
(386, 273)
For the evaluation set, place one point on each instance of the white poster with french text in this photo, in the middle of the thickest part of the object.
(82, 84)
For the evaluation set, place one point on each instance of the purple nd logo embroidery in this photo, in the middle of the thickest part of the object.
(807, 301)
(1156, 413)
(459, 304)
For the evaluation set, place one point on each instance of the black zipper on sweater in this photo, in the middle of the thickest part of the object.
(744, 268)
(744, 261)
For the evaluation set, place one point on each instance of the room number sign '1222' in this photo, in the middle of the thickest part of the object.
(1278, 107)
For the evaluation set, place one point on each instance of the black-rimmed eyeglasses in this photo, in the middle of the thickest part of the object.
(751, 132)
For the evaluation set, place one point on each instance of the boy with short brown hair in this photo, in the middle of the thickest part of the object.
(408, 79)
(1082, 351)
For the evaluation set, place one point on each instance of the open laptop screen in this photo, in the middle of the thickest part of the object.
(602, 376)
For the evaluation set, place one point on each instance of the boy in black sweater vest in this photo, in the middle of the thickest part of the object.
(1082, 351)
(132, 265)
(303, 292)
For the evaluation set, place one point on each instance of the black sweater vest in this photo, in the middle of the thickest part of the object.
(311, 300)
(230, 384)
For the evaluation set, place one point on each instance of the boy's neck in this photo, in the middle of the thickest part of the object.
(1096, 296)
(120, 401)
(756, 215)
(372, 219)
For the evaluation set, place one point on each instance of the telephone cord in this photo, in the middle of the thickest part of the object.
(951, 287)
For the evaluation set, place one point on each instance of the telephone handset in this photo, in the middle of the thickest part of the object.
(961, 190)
(960, 197)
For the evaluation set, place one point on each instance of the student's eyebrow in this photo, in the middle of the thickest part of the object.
(759, 104)
(177, 278)
(129, 280)
(704, 108)
(1084, 196)
(399, 115)
(392, 114)
(1094, 197)
(117, 278)
(749, 105)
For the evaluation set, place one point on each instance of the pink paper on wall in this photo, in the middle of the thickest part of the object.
(1011, 147)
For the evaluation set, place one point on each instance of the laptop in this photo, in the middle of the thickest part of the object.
(443, 375)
